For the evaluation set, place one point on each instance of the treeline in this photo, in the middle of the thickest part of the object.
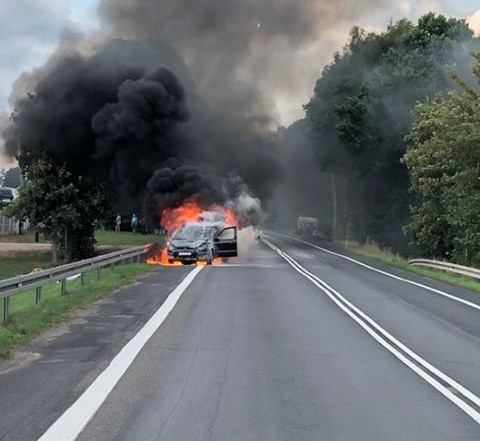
(443, 159)
(68, 207)
(361, 120)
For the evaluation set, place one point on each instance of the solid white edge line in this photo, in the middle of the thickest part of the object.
(71, 423)
(424, 375)
(385, 273)
(464, 391)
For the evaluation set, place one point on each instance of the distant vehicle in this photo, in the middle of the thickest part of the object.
(202, 242)
(308, 226)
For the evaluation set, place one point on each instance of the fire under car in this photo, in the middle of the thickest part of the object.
(202, 242)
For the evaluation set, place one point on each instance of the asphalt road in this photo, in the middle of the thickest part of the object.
(289, 342)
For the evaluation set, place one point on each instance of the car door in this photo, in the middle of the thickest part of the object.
(226, 243)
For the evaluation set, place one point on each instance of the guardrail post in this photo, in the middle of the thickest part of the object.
(82, 279)
(38, 294)
(6, 310)
(131, 259)
(63, 289)
(98, 273)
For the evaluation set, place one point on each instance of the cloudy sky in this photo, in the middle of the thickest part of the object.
(30, 30)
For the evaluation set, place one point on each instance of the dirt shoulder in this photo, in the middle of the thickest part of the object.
(10, 247)
(14, 248)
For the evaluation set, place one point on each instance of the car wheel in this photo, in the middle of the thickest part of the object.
(210, 257)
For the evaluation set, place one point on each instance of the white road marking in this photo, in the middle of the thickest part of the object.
(249, 265)
(385, 273)
(76, 417)
(390, 343)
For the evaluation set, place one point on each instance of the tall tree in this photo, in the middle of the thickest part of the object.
(68, 206)
(443, 159)
(362, 109)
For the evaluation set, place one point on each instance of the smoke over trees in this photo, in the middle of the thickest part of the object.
(110, 120)
(118, 118)
(244, 55)
(305, 189)
(362, 110)
(179, 101)
(122, 109)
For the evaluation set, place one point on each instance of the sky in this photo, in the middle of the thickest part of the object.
(30, 31)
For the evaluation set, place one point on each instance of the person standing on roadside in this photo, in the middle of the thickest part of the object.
(143, 226)
(118, 223)
(134, 223)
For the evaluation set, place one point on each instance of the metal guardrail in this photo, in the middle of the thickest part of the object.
(447, 266)
(19, 284)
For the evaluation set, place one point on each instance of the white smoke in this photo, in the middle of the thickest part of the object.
(248, 208)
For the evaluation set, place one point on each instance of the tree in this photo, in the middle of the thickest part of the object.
(361, 112)
(443, 159)
(68, 206)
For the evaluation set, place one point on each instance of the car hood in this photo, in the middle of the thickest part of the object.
(187, 243)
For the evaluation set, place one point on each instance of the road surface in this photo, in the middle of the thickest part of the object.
(289, 342)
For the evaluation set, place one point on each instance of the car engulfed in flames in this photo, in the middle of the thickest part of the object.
(198, 236)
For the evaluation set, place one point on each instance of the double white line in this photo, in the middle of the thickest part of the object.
(448, 387)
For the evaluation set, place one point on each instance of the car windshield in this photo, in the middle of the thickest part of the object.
(193, 232)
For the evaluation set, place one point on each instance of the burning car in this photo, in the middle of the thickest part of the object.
(202, 242)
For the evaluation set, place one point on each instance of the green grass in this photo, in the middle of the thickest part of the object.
(23, 263)
(105, 237)
(27, 237)
(28, 320)
(398, 262)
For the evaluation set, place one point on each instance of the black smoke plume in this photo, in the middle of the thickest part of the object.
(111, 117)
(125, 110)
(172, 185)
(246, 55)
(122, 117)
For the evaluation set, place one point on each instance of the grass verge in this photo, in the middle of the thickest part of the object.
(19, 263)
(28, 320)
(396, 261)
(103, 237)
(26, 237)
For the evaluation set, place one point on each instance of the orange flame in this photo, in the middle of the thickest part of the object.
(191, 213)
(162, 259)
